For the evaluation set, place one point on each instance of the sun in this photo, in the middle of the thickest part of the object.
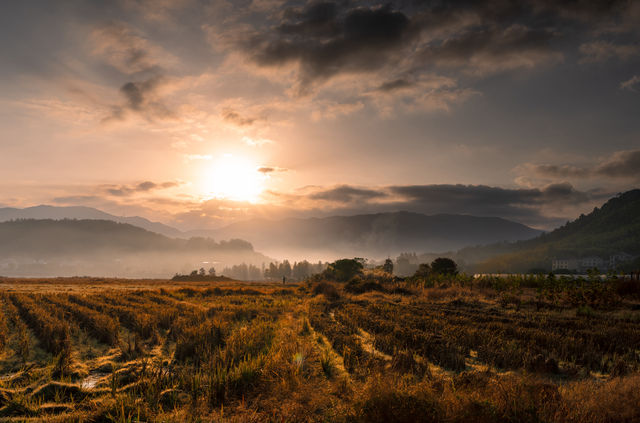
(234, 178)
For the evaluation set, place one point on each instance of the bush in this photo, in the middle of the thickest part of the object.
(444, 266)
(359, 286)
(344, 269)
(326, 289)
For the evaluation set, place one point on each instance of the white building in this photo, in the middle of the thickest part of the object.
(593, 262)
(564, 264)
(617, 259)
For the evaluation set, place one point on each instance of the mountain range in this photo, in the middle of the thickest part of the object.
(484, 244)
(67, 247)
(374, 235)
(81, 212)
(370, 235)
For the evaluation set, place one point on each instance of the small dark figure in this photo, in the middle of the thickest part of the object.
(284, 280)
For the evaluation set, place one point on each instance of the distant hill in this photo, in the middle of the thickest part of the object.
(105, 248)
(80, 212)
(375, 235)
(611, 229)
(371, 235)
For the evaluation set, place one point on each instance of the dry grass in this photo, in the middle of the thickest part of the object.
(155, 351)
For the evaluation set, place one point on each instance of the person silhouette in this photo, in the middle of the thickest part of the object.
(283, 280)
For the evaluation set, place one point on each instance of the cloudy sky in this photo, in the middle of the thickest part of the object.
(197, 113)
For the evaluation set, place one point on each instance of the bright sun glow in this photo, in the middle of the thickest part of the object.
(234, 178)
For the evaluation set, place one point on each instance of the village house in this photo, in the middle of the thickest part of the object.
(592, 262)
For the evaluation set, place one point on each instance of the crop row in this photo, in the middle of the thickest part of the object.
(52, 332)
(343, 339)
(101, 326)
(519, 340)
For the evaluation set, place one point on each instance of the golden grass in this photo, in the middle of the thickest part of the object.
(258, 352)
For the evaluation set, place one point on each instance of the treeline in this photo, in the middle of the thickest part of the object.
(201, 276)
(407, 264)
(244, 272)
(297, 271)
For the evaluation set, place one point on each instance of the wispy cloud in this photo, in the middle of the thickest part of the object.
(631, 84)
(256, 142)
(601, 51)
(127, 50)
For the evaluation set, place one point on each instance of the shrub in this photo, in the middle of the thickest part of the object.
(326, 289)
(359, 286)
(444, 266)
(327, 365)
(344, 269)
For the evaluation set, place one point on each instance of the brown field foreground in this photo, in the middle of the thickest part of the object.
(157, 351)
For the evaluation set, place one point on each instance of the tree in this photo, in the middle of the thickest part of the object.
(406, 264)
(285, 269)
(212, 271)
(301, 270)
(423, 270)
(202, 272)
(388, 266)
(444, 266)
(344, 269)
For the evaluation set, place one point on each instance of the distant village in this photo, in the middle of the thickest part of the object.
(585, 264)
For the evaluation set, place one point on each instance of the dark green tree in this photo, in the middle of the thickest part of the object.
(423, 270)
(344, 269)
(388, 266)
(444, 266)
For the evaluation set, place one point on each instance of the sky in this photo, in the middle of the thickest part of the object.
(200, 113)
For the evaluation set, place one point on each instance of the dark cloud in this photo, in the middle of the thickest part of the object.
(621, 164)
(325, 42)
(481, 197)
(143, 62)
(560, 171)
(271, 169)
(236, 118)
(82, 199)
(492, 49)
(317, 19)
(396, 84)
(146, 186)
(544, 207)
(135, 93)
(478, 37)
(142, 97)
(347, 194)
(585, 10)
